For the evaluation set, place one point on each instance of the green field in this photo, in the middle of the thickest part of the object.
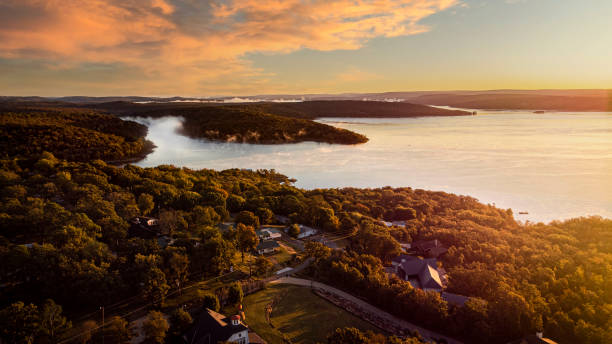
(301, 315)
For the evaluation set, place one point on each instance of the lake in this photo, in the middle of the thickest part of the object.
(552, 165)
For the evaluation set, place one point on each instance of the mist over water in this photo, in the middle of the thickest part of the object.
(554, 166)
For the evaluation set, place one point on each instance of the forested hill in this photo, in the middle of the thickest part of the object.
(273, 122)
(73, 134)
(64, 236)
(249, 124)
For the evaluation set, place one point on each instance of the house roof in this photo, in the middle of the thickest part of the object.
(454, 299)
(413, 265)
(430, 278)
(212, 327)
(267, 244)
(255, 339)
(399, 258)
(425, 269)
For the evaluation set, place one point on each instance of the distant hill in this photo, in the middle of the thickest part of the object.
(518, 101)
(354, 108)
(72, 134)
(270, 122)
(387, 102)
(247, 124)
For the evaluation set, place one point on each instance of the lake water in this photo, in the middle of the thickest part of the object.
(554, 165)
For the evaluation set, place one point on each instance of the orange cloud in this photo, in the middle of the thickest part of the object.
(192, 45)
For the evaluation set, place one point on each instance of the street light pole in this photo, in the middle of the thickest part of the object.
(102, 308)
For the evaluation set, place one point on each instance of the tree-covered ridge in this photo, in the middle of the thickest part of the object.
(522, 278)
(252, 125)
(71, 134)
(64, 236)
(274, 122)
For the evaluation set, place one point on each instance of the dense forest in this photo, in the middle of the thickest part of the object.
(64, 239)
(66, 248)
(74, 134)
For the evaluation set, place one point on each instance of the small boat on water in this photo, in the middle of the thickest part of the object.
(523, 213)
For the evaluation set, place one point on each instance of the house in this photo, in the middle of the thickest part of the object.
(537, 338)
(454, 299)
(144, 227)
(421, 273)
(212, 327)
(267, 246)
(224, 226)
(268, 234)
(394, 223)
(428, 248)
(165, 241)
(306, 231)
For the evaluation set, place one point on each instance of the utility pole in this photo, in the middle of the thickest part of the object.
(102, 308)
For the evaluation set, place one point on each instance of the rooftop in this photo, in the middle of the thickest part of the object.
(212, 327)
(267, 244)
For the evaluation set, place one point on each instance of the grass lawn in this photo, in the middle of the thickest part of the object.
(301, 315)
(281, 256)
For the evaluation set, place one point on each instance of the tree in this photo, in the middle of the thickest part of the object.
(404, 214)
(19, 323)
(235, 294)
(317, 250)
(155, 287)
(178, 268)
(52, 323)
(262, 265)
(180, 321)
(155, 327)
(208, 300)
(246, 238)
(294, 230)
(247, 218)
(145, 203)
(168, 221)
(87, 330)
(235, 203)
(265, 215)
(349, 335)
(119, 330)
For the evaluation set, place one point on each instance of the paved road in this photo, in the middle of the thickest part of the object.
(427, 334)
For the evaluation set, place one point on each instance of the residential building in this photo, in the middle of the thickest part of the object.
(306, 231)
(421, 273)
(269, 234)
(267, 246)
(144, 227)
(212, 327)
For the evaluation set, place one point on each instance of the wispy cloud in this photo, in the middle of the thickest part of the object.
(197, 46)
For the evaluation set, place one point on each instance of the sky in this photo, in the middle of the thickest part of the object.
(246, 47)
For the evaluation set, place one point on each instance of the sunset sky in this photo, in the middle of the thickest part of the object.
(207, 48)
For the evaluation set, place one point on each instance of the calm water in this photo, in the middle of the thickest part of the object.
(554, 166)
